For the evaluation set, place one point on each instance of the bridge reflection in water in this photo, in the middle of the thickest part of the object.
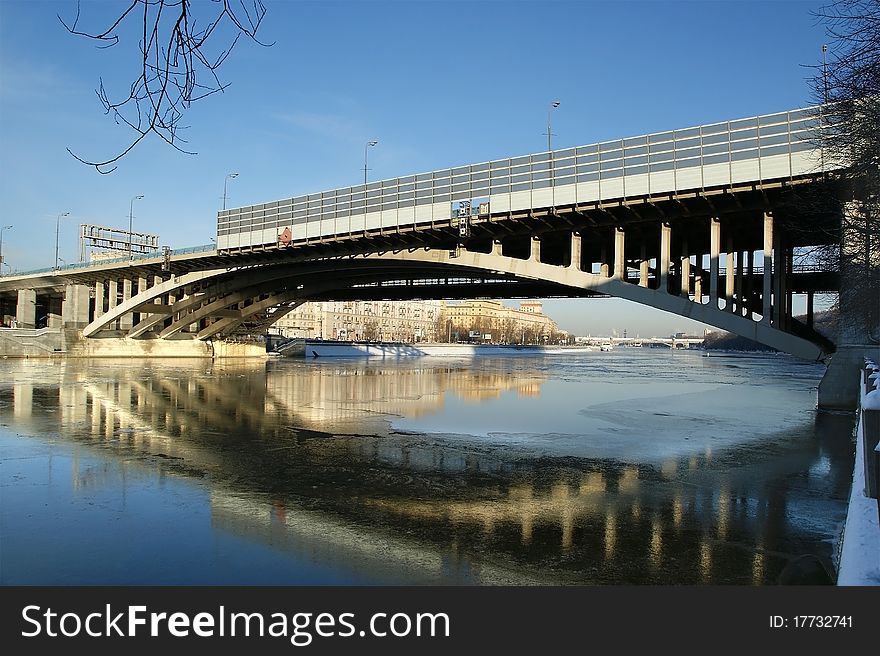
(305, 458)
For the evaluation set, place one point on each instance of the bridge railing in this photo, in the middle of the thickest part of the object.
(75, 266)
(759, 148)
(869, 428)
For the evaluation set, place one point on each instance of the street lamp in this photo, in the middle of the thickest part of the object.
(130, 216)
(57, 232)
(824, 73)
(369, 144)
(553, 106)
(2, 228)
(229, 177)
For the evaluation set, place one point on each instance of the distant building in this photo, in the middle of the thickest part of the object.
(527, 324)
(389, 321)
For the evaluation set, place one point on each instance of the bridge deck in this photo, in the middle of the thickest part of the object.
(746, 151)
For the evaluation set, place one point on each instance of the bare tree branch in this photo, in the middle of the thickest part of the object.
(178, 67)
(850, 134)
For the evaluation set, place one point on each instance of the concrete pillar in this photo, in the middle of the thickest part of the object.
(112, 294)
(767, 263)
(603, 262)
(619, 253)
(778, 266)
(75, 308)
(535, 254)
(714, 254)
(112, 299)
(749, 285)
(643, 265)
(575, 261)
(786, 287)
(729, 276)
(665, 255)
(99, 299)
(496, 247)
(698, 278)
(26, 309)
(126, 321)
(685, 269)
(738, 287)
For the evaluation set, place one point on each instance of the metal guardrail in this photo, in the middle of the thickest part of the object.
(869, 422)
(694, 152)
(75, 266)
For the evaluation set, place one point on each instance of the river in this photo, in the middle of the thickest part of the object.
(638, 466)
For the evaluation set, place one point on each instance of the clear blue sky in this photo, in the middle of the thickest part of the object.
(437, 83)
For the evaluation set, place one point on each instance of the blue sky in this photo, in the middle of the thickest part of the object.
(437, 83)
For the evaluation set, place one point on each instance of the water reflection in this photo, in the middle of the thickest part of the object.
(309, 460)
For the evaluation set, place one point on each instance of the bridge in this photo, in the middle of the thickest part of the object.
(708, 222)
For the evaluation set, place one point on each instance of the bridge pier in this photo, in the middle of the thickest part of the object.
(767, 263)
(665, 256)
(26, 308)
(714, 254)
(619, 254)
(729, 271)
(576, 246)
(685, 269)
(126, 321)
(643, 265)
(75, 307)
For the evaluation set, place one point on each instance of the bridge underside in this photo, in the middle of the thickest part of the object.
(725, 257)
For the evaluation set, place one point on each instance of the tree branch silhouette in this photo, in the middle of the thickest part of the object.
(180, 63)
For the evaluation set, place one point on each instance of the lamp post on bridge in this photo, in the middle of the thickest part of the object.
(230, 176)
(824, 73)
(57, 233)
(553, 106)
(2, 228)
(369, 144)
(130, 218)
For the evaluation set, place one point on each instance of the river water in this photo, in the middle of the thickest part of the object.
(634, 466)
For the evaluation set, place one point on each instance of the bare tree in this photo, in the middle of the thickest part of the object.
(849, 85)
(182, 47)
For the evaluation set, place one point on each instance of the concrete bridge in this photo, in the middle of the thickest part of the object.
(706, 222)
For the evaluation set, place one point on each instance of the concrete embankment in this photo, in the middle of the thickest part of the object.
(54, 342)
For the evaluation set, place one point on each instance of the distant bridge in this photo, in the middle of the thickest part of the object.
(703, 222)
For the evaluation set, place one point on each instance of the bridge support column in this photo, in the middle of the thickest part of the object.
(767, 263)
(113, 298)
(496, 247)
(141, 288)
(619, 253)
(575, 261)
(714, 254)
(99, 299)
(75, 307)
(603, 261)
(698, 279)
(535, 255)
(26, 309)
(786, 286)
(126, 322)
(729, 276)
(778, 292)
(685, 269)
(740, 272)
(749, 286)
(643, 265)
(665, 256)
